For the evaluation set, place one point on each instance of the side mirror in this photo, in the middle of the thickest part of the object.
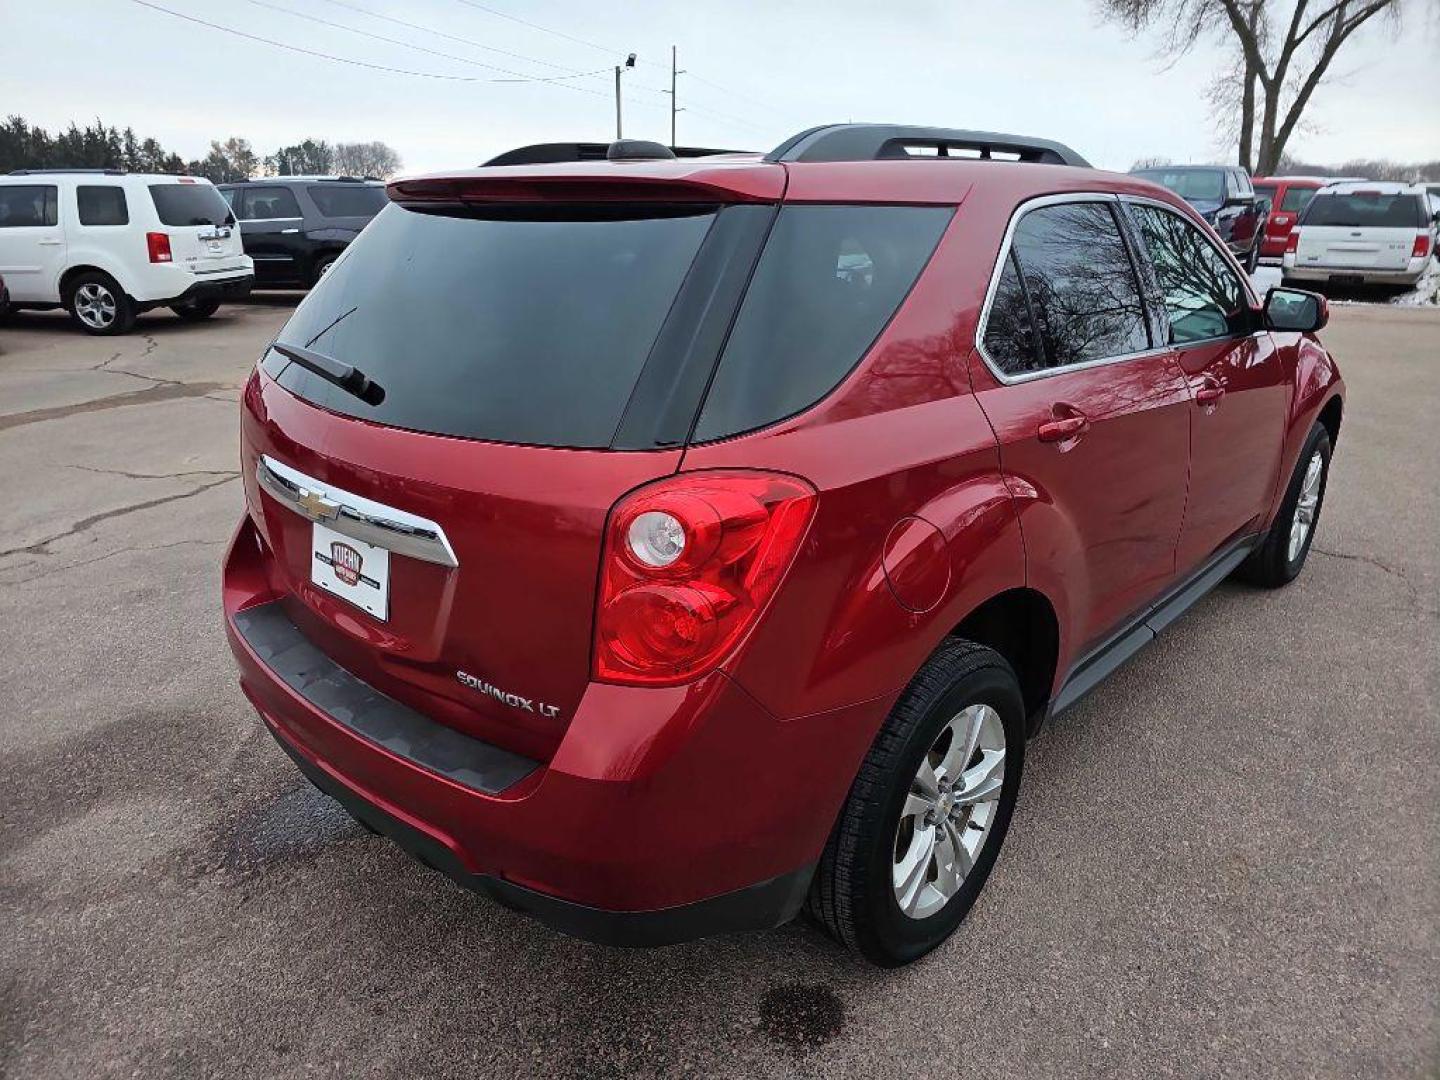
(1295, 310)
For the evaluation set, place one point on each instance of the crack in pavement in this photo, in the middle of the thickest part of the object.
(85, 524)
(154, 476)
(159, 391)
(108, 555)
(1417, 602)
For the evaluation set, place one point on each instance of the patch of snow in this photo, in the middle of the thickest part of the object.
(1426, 291)
(1265, 278)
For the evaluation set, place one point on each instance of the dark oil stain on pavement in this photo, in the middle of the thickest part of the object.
(801, 1016)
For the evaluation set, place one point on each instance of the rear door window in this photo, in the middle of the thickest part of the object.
(828, 281)
(1202, 294)
(102, 204)
(266, 204)
(343, 199)
(1366, 209)
(24, 205)
(1075, 280)
(521, 326)
(189, 204)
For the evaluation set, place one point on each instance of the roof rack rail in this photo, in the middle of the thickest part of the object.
(876, 142)
(550, 153)
(51, 172)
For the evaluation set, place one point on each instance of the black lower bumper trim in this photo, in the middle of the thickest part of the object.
(356, 705)
(235, 288)
(759, 907)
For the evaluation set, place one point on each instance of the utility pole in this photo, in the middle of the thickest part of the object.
(619, 70)
(674, 71)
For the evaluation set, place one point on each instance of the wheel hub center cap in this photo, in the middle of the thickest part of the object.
(945, 804)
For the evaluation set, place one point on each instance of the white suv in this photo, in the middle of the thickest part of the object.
(107, 245)
(1363, 233)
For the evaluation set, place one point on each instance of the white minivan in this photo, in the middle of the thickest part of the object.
(107, 245)
(1363, 233)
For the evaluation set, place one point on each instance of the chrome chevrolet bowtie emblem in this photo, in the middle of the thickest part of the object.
(317, 507)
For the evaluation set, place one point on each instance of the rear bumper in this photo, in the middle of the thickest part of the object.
(1408, 276)
(226, 289)
(664, 815)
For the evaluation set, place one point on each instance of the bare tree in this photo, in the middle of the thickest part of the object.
(367, 159)
(1280, 52)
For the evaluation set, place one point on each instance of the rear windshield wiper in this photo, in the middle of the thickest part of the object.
(349, 378)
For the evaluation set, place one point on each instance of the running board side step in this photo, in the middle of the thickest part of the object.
(1102, 662)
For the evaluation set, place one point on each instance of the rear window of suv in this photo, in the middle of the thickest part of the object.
(1366, 209)
(189, 204)
(341, 199)
(514, 326)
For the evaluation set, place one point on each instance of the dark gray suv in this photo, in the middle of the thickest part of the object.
(294, 227)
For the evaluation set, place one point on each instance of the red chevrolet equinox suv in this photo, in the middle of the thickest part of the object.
(663, 546)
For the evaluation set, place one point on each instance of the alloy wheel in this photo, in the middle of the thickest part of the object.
(952, 802)
(95, 305)
(1306, 506)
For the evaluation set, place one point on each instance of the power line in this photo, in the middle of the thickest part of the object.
(306, 52)
(519, 77)
(451, 37)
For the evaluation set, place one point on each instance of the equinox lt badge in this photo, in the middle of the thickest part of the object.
(515, 701)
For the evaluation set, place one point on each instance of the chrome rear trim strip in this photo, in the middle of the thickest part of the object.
(354, 515)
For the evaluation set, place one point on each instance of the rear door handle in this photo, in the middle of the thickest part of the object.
(1210, 393)
(51, 243)
(1063, 427)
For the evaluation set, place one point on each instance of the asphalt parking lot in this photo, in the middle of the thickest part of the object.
(1225, 861)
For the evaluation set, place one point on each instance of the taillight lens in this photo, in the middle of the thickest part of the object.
(1421, 247)
(689, 564)
(1292, 242)
(158, 244)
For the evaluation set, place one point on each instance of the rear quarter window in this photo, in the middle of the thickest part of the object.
(102, 204)
(1296, 199)
(828, 281)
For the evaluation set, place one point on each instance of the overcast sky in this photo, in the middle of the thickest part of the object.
(1039, 67)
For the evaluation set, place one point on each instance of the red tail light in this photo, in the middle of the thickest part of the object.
(159, 245)
(1422, 246)
(689, 564)
(1292, 242)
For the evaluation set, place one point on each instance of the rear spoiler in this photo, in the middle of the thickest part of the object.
(552, 153)
(603, 182)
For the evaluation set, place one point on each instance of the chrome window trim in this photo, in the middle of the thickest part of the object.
(999, 270)
(355, 516)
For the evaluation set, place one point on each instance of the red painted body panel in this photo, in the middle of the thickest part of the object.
(1278, 228)
(1235, 443)
(934, 496)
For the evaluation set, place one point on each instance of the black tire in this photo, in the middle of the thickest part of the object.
(852, 897)
(196, 310)
(320, 266)
(1271, 565)
(84, 291)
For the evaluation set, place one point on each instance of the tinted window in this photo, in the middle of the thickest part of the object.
(1010, 340)
(1362, 209)
(1265, 191)
(1207, 185)
(264, 203)
(1296, 199)
(189, 204)
(102, 205)
(1080, 284)
(348, 200)
(828, 281)
(27, 204)
(522, 329)
(1203, 297)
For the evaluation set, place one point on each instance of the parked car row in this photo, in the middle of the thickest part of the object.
(106, 245)
(1328, 231)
